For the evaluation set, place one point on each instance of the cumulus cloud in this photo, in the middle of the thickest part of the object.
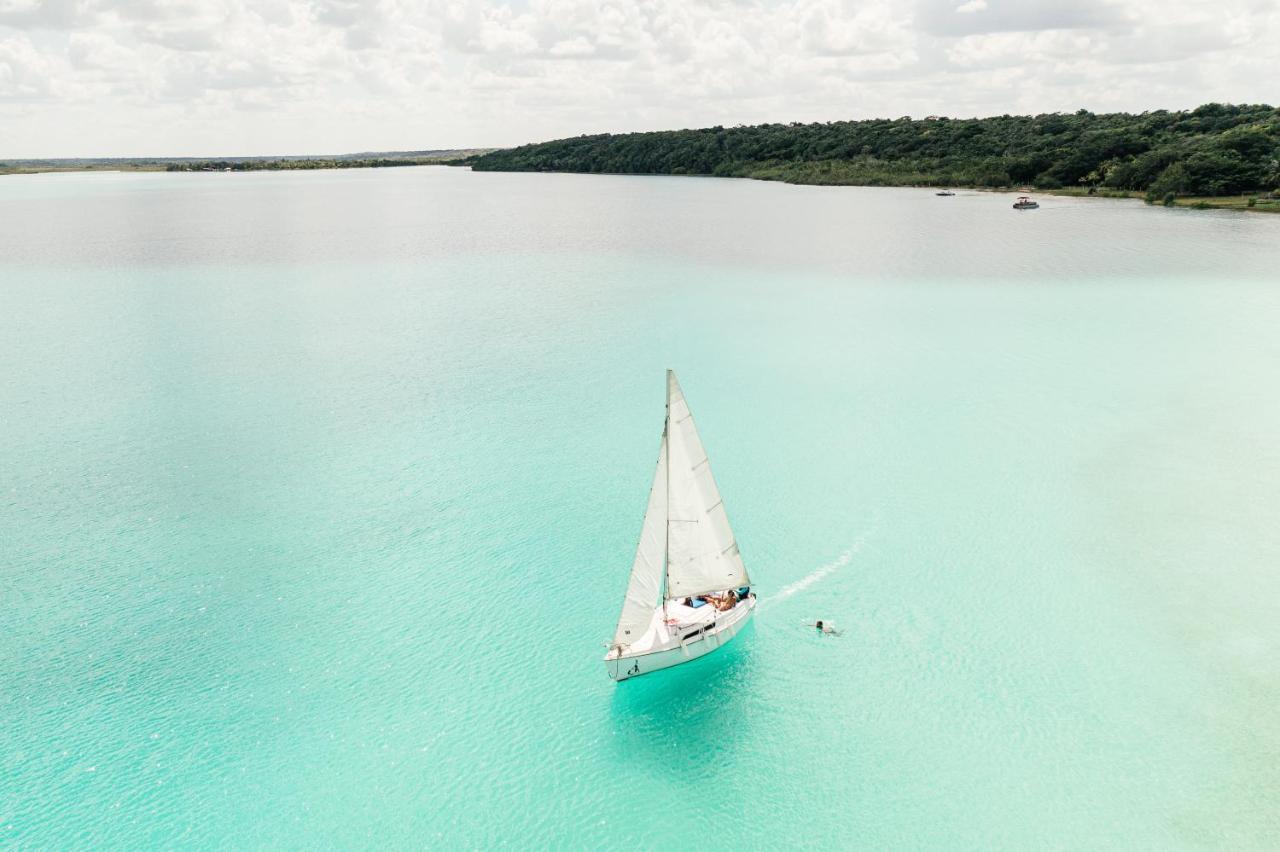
(26, 72)
(948, 17)
(127, 77)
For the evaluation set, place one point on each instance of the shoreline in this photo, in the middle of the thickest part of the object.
(1194, 202)
(282, 163)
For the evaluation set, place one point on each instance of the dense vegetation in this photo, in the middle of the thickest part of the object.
(363, 160)
(1217, 149)
(290, 164)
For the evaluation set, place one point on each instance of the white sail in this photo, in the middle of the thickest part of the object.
(645, 585)
(702, 555)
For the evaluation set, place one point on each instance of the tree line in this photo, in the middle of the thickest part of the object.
(1215, 149)
(290, 164)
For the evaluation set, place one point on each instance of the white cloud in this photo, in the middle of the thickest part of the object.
(30, 74)
(844, 28)
(82, 77)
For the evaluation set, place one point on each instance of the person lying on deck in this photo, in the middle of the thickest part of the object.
(722, 603)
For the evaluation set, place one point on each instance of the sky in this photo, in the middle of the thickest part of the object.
(261, 77)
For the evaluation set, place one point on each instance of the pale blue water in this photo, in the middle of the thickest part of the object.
(318, 493)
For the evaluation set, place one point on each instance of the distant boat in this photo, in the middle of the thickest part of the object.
(1024, 202)
(945, 192)
(689, 591)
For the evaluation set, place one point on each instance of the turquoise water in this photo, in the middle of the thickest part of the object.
(318, 493)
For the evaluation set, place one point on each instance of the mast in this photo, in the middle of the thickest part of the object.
(666, 545)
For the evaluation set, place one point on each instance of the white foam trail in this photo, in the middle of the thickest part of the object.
(814, 576)
(823, 571)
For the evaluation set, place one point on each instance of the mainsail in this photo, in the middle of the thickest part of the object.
(685, 530)
(702, 555)
(646, 571)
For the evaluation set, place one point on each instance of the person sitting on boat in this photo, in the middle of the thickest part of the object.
(724, 602)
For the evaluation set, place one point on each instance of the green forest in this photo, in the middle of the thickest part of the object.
(1214, 150)
(364, 160)
(291, 164)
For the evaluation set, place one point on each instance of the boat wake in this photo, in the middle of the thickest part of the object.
(823, 571)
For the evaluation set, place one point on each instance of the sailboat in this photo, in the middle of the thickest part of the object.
(689, 591)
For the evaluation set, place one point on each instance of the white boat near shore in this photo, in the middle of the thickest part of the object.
(689, 592)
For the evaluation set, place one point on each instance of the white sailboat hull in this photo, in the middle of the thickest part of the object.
(682, 645)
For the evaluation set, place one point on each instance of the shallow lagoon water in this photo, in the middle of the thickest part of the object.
(318, 493)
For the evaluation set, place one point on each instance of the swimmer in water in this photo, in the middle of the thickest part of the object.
(826, 628)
